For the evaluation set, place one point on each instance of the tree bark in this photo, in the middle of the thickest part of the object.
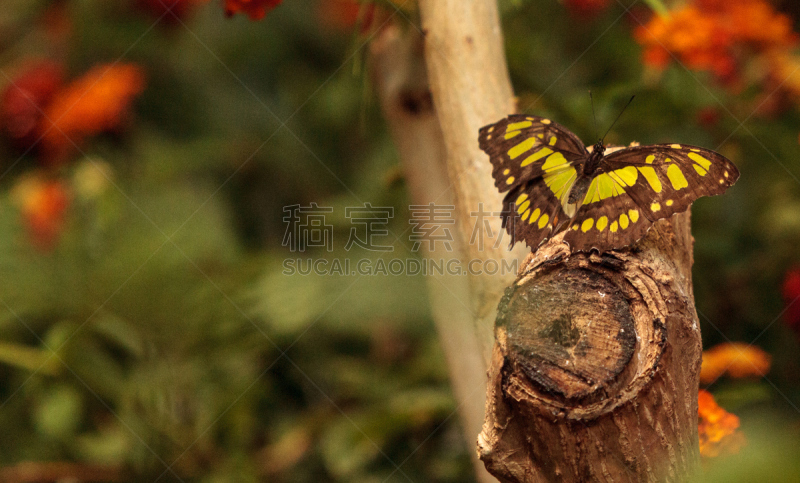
(594, 369)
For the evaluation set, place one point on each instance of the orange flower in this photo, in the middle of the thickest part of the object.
(255, 9)
(43, 204)
(693, 37)
(736, 359)
(714, 34)
(24, 100)
(716, 428)
(97, 102)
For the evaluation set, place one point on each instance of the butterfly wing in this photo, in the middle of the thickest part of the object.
(534, 211)
(536, 161)
(520, 145)
(637, 186)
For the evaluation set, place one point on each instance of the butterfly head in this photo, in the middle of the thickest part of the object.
(599, 147)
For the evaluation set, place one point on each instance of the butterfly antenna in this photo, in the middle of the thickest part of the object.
(619, 116)
(594, 114)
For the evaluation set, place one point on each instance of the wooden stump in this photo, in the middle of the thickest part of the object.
(594, 370)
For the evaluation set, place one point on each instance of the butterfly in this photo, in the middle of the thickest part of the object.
(604, 202)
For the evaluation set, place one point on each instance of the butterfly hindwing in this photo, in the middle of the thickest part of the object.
(532, 213)
(647, 183)
(616, 222)
(519, 147)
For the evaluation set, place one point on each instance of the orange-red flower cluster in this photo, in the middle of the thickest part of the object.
(714, 35)
(37, 108)
(255, 9)
(43, 204)
(736, 359)
(97, 102)
(717, 428)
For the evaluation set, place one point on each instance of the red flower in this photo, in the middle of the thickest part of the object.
(43, 205)
(255, 9)
(790, 289)
(708, 116)
(24, 100)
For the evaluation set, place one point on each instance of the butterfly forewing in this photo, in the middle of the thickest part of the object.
(520, 145)
(645, 183)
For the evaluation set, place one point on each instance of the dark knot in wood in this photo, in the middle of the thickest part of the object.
(569, 332)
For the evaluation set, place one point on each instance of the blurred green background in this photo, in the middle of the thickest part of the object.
(147, 326)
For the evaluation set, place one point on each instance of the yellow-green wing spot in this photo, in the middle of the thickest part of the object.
(560, 176)
(676, 177)
(536, 156)
(543, 220)
(652, 177)
(613, 183)
(517, 150)
(515, 128)
(701, 164)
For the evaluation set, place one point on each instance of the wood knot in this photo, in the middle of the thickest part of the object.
(569, 332)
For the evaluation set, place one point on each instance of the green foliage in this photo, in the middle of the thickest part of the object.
(160, 334)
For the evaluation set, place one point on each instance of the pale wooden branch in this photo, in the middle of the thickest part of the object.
(470, 86)
(594, 372)
(398, 72)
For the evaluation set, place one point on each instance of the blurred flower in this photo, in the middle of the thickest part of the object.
(790, 289)
(708, 116)
(714, 35)
(717, 428)
(339, 14)
(91, 179)
(349, 14)
(255, 9)
(586, 8)
(736, 359)
(97, 102)
(24, 100)
(43, 204)
(179, 9)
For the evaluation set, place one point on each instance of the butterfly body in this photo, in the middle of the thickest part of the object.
(601, 201)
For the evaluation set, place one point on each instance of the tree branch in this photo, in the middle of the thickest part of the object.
(399, 75)
(470, 86)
